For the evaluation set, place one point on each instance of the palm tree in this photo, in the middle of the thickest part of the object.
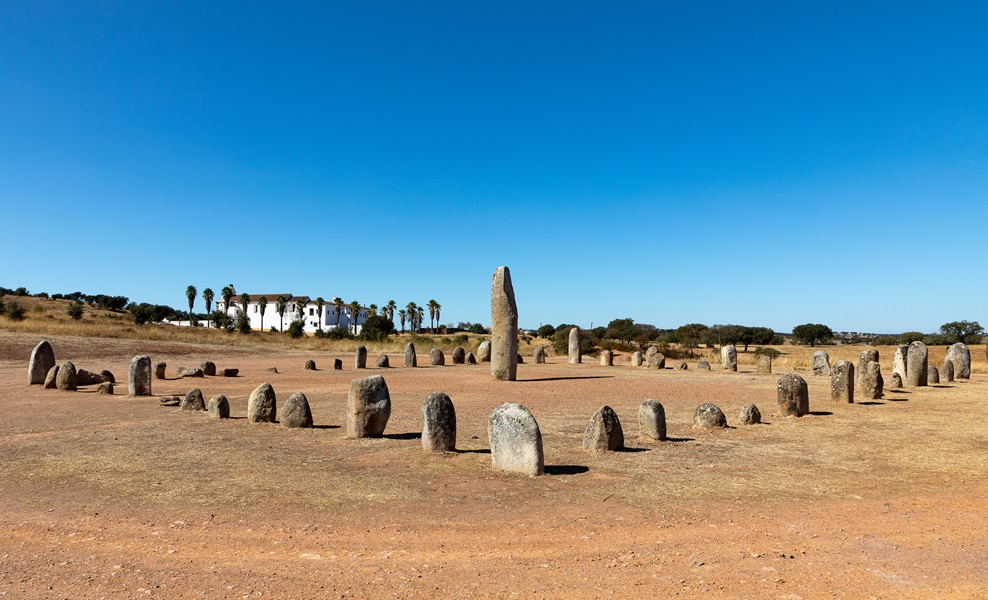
(432, 314)
(421, 312)
(319, 304)
(391, 306)
(354, 309)
(411, 310)
(262, 303)
(244, 301)
(372, 310)
(438, 306)
(207, 295)
(190, 294)
(227, 293)
(401, 315)
(338, 303)
(300, 309)
(280, 307)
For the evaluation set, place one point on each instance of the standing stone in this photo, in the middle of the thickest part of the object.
(218, 407)
(515, 439)
(338, 364)
(652, 420)
(262, 406)
(410, 359)
(105, 388)
(899, 362)
(870, 380)
(604, 431)
(932, 375)
(606, 358)
(310, 365)
(709, 414)
(916, 363)
(636, 359)
(139, 377)
(703, 366)
(574, 346)
(764, 364)
(821, 363)
(193, 400)
(438, 423)
(208, 368)
(484, 351)
(42, 360)
(360, 358)
(437, 358)
(948, 372)
(471, 359)
(159, 370)
(368, 407)
(794, 397)
(750, 415)
(539, 355)
(383, 362)
(656, 360)
(51, 379)
(650, 352)
(842, 382)
(67, 379)
(729, 357)
(682, 366)
(864, 358)
(961, 357)
(295, 412)
(896, 381)
(504, 327)
(459, 355)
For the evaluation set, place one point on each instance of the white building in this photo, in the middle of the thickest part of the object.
(310, 313)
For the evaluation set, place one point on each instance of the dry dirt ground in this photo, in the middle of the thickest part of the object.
(119, 497)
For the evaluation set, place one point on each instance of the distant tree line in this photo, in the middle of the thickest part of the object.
(117, 303)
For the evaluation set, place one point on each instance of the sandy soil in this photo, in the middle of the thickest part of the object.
(118, 497)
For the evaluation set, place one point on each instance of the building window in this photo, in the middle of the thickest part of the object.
(312, 312)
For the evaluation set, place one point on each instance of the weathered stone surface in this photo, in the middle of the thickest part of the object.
(107, 376)
(604, 431)
(42, 360)
(230, 372)
(703, 366)
(383, 362)
(310, 365)
(764, 364)
(960, 356)
(515, 439)
(636, 359)
(650, 352)
(295, 412)
(438, 423)
(896, 381)
(218, 407)
(899, 361)
(410, 359)
(360, 358)
(606, 358)
(459, 355)
(947, 375)
(262, 406)
(682, 366)
(208, 368)
(575, 355)
(820, 363)
(504, 327)
(932, 375)
(66, 379)
(750, 415)
(139, 376)
(368, 407)
(865, 357)
(842, 382)
(51, 378)
(655, 360)
(84, 377)
(870, 381)
(538, 354)
(271, 370)
(159, 370)
(729, 357)
(471, 359)
(338, 364)
(193, 400)
(709, 414)
(189, 372)
(484, 351)
(105, 388)
(171, 401)
(437, 358)
(652, 420)
(794, 396)
(916, 364)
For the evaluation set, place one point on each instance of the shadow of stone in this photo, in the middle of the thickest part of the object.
(871, 403)
(326, 426)
(820, 413)
(627, 449)
(566, 378)
(941, 387)
(676, 440)
(478, 451)
(896, 400)
(411, 435)
(565, 469)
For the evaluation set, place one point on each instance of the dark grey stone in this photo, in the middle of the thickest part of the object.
(230, 372)
(438, 423)
(218, 407)
(709, 414)
(139, 376)
(338, 364)
(793, 396)
(896, 382)
(652, 420)
(383, 362)
(159, 370)
(604, 431)
(193, 400)
(295, 412)
(360, 358)
(437, 358)
(538, 355)
(932, 375)
(703, 366)
(84, 377)
(107, 376)
(310, 365)
(947, 376)
(750, 415)
(471, 359)
(208, 368)
(459, 355)
(410, 359)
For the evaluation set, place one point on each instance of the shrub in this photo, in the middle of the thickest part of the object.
(560, 341)
(478, 329)
(938, 339)
(769, 352)
(377, 328)
(462, 339)
(910, 337)
(274, 329)
(75, 310)
(14, 311)
(296, 329)
(337, 333)
(885, 340)
(243, 323)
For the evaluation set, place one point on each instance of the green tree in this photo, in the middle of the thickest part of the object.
(910, 336)
(421, 316)
(354, 312)
(338, 304)
(262, 305)
(391, 306)
(244, 301)
(401, 315)
(478, 329)
(320, 303)
(207, 296)
(546, 331)
(621, 329)
(438, 309)
(967, 332)
(372, 310)
(756, 335)
(377, 328)
(75, 310)
(280, 305)
(300, 309)
(190, 294)
(227, 293)
(812, 334)
(432, 314)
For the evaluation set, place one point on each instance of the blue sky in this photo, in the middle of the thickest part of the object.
(756, 163)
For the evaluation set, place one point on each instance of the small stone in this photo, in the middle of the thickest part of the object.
(159, 370)
(105, 388)
(139, 376)
(870, 382)
(515, 440)
(189, 372)
(947, 375)
(606, 358)
(51, 379)
(410, 359)
(655, 360)
(820, 363)
(960, 356)
(794, 397)
(42, 360)
(682, 366)
(107, 376)
(230, 372)
(338, 364)
(295, 412)
(262, 406)
(575, 356)
(360, 358)
(383, 362)
(750, 415)
(171, 401)
(636, 359)
(709, 414)
(437, 358)
(471, 359)
(84, 377)
(729, 357)
(764, 364)
(459, 355)
(652, 420)
(899, 362)
(484, 352)
(219, 407)
(538, 355)
(604, 431)
(310, 365)
(208, 368)
(268, 370)
(66, 379)
(438, 423)
(916, 364)
(842, 382)
(896, 382)
(193, 400)
(933, 375)
(703, 366)
(368, 407)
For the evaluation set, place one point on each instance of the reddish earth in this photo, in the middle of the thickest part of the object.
(118, 497)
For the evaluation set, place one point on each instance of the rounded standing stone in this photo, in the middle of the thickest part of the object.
(703, 366)
(193, 400)
(871, 382)
(636, 359)
(750, 415)
(42, 360)
(793, 396)
(191, 372)
(764, 364)
(504, 327)
(438, 423)
(960, 356)
(604, 431)
(218, 407)
(864, 358)
(606, 358)
(295, 412)
(383, 362)
(842, 382)
(360, 358)
(51, 379)
(820, 363)
(916, 364)
(139, 376)
(437, 358)
(655, 360)
(538, 354)
(66, 379)
(574, 346)
(229, 372)
(652, 420)
(262, 406)
(410, 358)
(484, 351)
(459, 355)
(310, 365)
(709, 414)
(208, 368)
(368, 407)
(899, 361)
(159, 370)
(471, 359)
(682, 366)
(896, 382)
(948, 372)
(338, 364)
(515, 439)
(933, 375)
(729, 357)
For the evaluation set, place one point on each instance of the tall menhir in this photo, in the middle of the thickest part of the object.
(504, 327)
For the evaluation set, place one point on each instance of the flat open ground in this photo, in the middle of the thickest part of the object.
(118, 497)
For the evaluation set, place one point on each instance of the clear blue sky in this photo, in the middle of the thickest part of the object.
(756, 163)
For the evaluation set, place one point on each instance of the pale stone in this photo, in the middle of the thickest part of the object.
(916, 364)
(105, 388)
(682, 366)
(360, 358)
(652, 420)
(793, 396)
(636, 359)
(504, 327)
(218, 407)
(262, 406)
(410, 359)
(604, 431)
(193, 400)
(437, 358)
(368, 407)
(484, 351)
(750, 415)
(189, 372)
(51, 379)
(865, 357)
(42, 360)
(820, 363)
(729, 357)
(515, 440)
(606, 358)
(947, 375)
(842, 382)
(764, 364)
(574, 346)
(870, 380)
(960, 356)
(655, 360)
(295, 412)
(709, 414)
(139, 377)
(932, 375)
(438, 423)
(899, 361)
(538, 354)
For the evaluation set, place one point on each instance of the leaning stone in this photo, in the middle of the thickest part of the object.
(574, 346)
(139, 377)
(219, 407)
(437, 358)
(368, 407)
(208, 367)
(383, 362)
(652, 420)
(504, 327)
(171, 401)
(916, 364)
(189, 372)
(729, 357)
(820, 363)
(159, 370)
(794, 397)
(682, 366)
(515, 440)
(842, 382)
(360, 358)
(107, 376)
(459, 355)
(338, 364)
(604, 431)
(51, 379)
(84, 377)
(66, 379)
(703, 366)
(310, 365)
(899, 361)
(438, 423)
(933, 375)
(230, 372)
(193, 400)
(262, 406)
(42, 360)
(484, 351)
(295, 412)
(471, 359)
(870, 381)
(947, 375)
(655, 360)
(764, 364)
(650, 352)
(606, 358)
(709, 415)
(105, 388)
(410, 358)
(960, 356)
(636, 359)
(750, 415)
(539, 355)
(896, 382)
